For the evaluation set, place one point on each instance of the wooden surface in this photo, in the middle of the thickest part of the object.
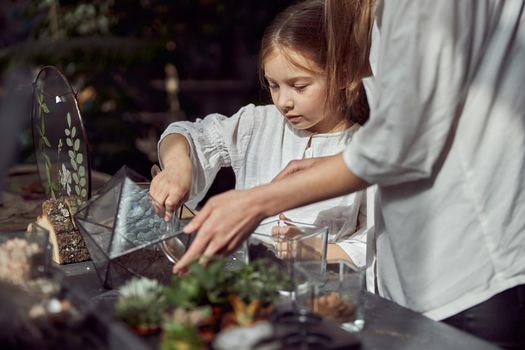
(21, 201)
(388, 325)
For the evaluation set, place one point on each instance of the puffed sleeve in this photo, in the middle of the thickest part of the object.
(215, 141)
(424, 66)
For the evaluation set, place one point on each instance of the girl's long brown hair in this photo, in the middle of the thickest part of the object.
(349, 32)
(299, 28)
(339, 43)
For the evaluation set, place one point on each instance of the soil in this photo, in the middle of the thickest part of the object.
(260, 251)
(147, 262)
(333, 307)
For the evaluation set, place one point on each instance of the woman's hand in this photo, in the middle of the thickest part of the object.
(229, 218)
(223, 224)
(298, 165)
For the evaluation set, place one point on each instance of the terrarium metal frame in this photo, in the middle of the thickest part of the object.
(125, 237)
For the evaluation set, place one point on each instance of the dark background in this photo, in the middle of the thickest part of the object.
(119, 56)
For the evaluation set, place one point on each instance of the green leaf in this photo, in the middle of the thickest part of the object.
(80, 158)
(55, 186)
(68, 118)
(40, 133)
(73, 164)
(46, 141)
(71, 154)
(67, 132)
(77, 190)
(76, 145)
(49, 188)
(59, 146)
(47, 160)
(44, 108)
(48, 173)
(82, 182)
(73, 131)
(81, 171)
(69, 142)
(83, 193)
(75, 178)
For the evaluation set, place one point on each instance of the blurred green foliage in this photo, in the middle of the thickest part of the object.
(114, 54)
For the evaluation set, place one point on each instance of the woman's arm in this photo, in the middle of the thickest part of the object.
(228, 219)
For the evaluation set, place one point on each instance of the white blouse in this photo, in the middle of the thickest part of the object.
(258, 142)
(445, 144)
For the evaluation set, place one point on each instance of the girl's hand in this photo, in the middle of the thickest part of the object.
(283, 236)
(223, 224)
(288, 248)
(285, 232)
(170, 188)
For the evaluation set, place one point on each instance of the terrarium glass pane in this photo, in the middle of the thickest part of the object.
(99, 237)
(125, 233)
(288, 240)
(24, 255)
(59, 138)
(137, 225)
(333, 290)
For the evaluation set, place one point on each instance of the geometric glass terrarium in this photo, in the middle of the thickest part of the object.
(25, 255)
(287, 242)
(126, 237)
(59, 138)
(334, 291)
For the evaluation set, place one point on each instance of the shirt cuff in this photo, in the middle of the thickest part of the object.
(356, 251)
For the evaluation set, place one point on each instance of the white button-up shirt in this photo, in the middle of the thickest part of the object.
(258, 142)
(445, 144)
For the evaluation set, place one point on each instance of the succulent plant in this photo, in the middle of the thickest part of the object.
(141, 303)
(260, 280)
(180, 329)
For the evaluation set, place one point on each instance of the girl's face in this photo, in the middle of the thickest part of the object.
(300, 94)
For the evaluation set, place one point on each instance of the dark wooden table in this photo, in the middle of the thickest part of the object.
(21, 200)
(388, 325)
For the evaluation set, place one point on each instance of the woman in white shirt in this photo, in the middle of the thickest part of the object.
(259, 141)
(445, 144)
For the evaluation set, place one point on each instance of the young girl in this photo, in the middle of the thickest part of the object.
(259, 141)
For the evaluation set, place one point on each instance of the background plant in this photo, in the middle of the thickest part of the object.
(76, 159)
(115, 53)
(52, 186)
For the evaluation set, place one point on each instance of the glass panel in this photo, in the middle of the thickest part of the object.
(126, 234)
(59, 138)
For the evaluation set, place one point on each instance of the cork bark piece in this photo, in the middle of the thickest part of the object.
(68, 245)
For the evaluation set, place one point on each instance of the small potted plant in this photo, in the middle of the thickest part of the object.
(141, 305)
(253, 293)
(180, 329)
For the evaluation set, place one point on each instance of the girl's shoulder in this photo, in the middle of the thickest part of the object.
(260, 116)
(261, 111)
